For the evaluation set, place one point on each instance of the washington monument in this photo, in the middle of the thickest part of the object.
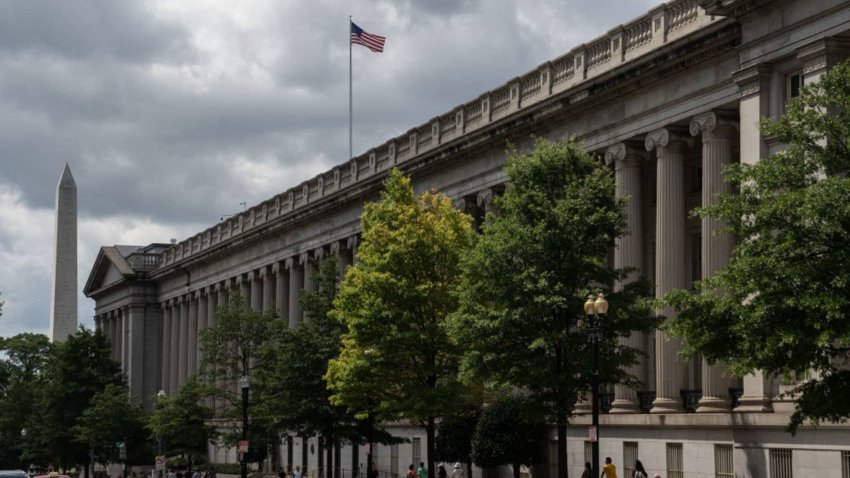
(63, 310)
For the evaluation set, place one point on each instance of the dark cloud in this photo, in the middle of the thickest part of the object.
(89, 28)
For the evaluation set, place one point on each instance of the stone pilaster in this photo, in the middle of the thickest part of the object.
(135, 320)
(628, 253)
(717, 135)
(203, 314)
(352, 243)
(671, 214)
(309, 282)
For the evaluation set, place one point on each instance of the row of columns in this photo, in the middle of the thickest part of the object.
(124, 327)
(275, 286)
(668, 146)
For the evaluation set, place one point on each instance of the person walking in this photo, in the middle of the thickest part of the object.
(588, 470)
(639, 471)
(457, 471)
(410, 472)
(608, 469)
(422, 472)
(441, 472)
(297, 472)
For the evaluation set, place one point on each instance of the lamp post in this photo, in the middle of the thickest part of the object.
(243, 468)
(159, 395)
(595, 311)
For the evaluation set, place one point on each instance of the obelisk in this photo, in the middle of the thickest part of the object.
(63, 310)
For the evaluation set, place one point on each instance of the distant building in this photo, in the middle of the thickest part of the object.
(668, 100)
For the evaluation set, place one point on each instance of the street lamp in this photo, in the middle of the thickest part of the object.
(160, 395)
(594, 311)
(243, 384)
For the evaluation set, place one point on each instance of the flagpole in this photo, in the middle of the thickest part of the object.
(350, 96)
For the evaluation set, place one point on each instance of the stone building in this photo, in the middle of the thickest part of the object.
(667, 100)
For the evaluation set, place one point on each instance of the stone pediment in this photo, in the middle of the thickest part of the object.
(109, 268)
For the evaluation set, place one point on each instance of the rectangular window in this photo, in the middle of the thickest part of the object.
(780, 463)
(394, 471)
(845, 464)
(723, 467)
(630, 454)
(794, 83)
(675, 465)
(417, 451)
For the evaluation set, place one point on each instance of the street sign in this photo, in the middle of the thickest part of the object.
(160, 462)
(591, 434)
(243, 446)
(120, 445)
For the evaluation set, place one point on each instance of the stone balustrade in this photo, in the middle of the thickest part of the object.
(658, 27)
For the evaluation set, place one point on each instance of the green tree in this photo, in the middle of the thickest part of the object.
(506, 435)
(182, 424)
(112, 417)
(521, 300)
(232, 349)
(23, 374)
(396, 358)
(297, 398)
(781, 304)
(82, 367)
(454, 437)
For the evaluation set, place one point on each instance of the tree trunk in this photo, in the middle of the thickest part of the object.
(430, 432)
(562, 445)
(516, 469)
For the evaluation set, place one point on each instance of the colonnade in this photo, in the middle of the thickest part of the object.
(274, 286)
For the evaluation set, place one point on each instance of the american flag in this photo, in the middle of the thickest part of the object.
(370, 41)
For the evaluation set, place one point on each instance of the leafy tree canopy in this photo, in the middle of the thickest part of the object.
(396, 357)
(506, 435)
(781, 304)
(182, 423)
(110, 418)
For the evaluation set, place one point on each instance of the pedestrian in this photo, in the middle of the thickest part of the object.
(657, 475)
(639, 471)
(422, 472)
(441, 472)
(457, 471)
(588, 470)
(297, 472)
(608, 469)
(410, 472)
(196, 474)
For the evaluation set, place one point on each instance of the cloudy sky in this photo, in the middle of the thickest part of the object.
(172, 113)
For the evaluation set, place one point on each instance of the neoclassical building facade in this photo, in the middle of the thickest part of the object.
(666, 100)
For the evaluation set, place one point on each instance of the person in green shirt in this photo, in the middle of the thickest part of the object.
(422, 472)
(608, 469)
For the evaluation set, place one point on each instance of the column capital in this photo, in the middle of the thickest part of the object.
(304, 258)
(712, 123)
(626, 154)
(319, 253)
(196, 295)
(352, 242)
(275, 269)
(289, 263)
(333, 248)
(263, 272)
(460, 204)
(823, 53)
(664, 138)
(484, 199)
(251, 276)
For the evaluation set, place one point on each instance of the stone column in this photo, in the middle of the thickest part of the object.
(296, 282)
(281, 283)
(267, 278)
(174, 366)
(628, 253)
(717, 134)
(166, 347)
(670, 257)
(243, 286)
(192, 334)
(135, 351)
(309, 283)
(203, 314)
(125, 339)
(343, 258)
(352, 243)
(256, 294)
(753, 85)
(183, 365)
